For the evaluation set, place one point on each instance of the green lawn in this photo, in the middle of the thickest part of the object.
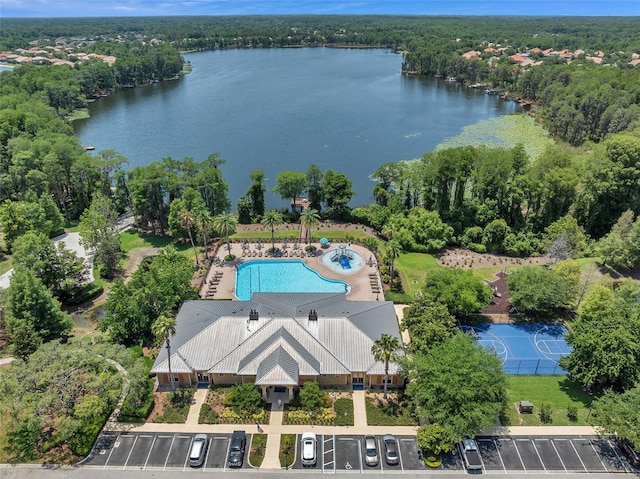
(132, 239)
(258, 448)
(287, 449)
(414, 267)
(6, 263)
(557, 392)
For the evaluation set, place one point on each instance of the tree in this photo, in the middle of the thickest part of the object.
(619, 414)
(460, 290)
(290, 184)
(385, 350)
(29, 302)
(186, 221)
(99, 232)
(337, 193)
(537, 290)
(160, 286)
(393, 251)
(57, 267)
(203, 220)
(309, 218)
(314, 183)
(24, 341)
(606, 351)
(429, 323)
(20, 217)
(271, 219)
(459, 385)
(256, 193)
(312, 397)
(244, 399)
(435, 439)
(225, 224)
(621, 246)
(163, 328)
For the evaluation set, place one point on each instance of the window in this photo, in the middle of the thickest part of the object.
(221, 375)
(388, 381)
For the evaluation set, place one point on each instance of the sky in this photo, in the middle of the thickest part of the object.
(109, 8)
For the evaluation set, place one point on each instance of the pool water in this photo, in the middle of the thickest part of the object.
(282, 277)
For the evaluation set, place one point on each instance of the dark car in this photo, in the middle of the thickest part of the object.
(236, 449)
(630, 452)
(391, 450)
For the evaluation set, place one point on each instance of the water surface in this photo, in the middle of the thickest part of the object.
(283, 109)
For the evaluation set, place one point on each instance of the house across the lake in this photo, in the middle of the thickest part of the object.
(278, 341)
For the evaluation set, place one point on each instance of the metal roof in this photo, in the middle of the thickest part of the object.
(279, 368)
(217, 336)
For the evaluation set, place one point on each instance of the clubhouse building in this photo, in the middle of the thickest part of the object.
(279, 341)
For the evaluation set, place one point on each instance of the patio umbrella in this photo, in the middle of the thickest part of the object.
(324, 241)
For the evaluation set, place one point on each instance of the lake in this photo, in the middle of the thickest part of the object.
(284, 109)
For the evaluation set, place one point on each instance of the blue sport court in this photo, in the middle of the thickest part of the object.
(524, 348)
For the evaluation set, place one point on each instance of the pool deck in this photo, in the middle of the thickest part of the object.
(221, 277)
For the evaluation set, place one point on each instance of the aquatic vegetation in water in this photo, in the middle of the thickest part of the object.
(503, 131)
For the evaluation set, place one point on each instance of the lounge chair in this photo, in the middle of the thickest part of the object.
(260, 254)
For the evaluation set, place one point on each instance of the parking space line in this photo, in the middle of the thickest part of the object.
(515, 444)
(204, 464)
(135, 439)
(113, 446)
(322, 447)
(400, 457)
(186, 458)
(559, 456)
(579, 458)
(538, 453)
(379, 453)
(334, 454)
(360, 455)
(495, 443)
(149, 453)
(598, 456)
(169, 453)
(613, 447)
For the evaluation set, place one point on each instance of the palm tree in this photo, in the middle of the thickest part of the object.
(203, 219)
(393, 251)
(163, 328)
(271, 219)
(384, 349)
(225, 224)
(309, 218)
(186, 221)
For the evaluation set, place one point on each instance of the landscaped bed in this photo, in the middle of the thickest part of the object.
(337, 411)
(392, 411)
(217, 410)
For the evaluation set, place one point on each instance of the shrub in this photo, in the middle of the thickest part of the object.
(243, 399)
(572, 413)
(137, 408)
(545, 414)
(208, 415)
(311, 397)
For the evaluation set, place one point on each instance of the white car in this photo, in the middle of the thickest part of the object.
(309, 449)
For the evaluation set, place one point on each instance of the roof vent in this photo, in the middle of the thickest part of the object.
(253, 315)
(313, 315)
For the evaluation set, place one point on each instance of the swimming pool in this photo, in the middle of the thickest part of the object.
(282, 277)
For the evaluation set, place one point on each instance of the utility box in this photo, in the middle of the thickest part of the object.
(525, 407)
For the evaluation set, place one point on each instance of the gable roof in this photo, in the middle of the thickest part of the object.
(218, 337)
(279, 368)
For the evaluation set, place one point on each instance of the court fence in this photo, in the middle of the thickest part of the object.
(524, 367)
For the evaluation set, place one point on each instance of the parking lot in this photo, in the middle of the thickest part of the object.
(340, 453)
(520, 455)
(346, 453)
(159, 451)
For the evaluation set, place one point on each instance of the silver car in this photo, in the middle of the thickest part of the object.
(198, 450)
(391, 450)
(370, 451)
